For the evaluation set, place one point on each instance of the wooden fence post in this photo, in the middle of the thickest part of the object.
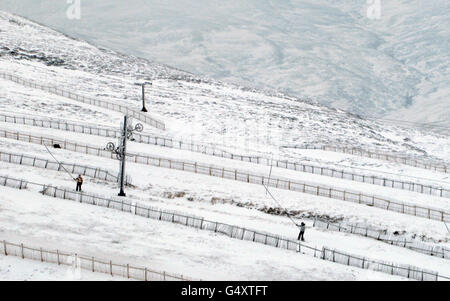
(23, 257)
(4, 246)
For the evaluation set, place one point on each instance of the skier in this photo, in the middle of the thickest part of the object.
(79, 181)
(302, 231)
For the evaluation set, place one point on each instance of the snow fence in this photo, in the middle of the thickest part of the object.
(241, 233)
(88, 100)
(242, 176)
(440, 167)
(93, 172)
(88, 263)
(389, 238)
(211, 150)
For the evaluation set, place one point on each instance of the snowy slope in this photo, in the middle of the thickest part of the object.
(209, 111)
(18, 269)
(170, 247)
(246, 120)
(327, 50)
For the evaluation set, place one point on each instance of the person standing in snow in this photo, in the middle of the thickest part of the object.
(79, 181)
(302, 228)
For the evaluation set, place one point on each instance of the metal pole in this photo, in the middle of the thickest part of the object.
(123, 154)
(121, 150)
(143, 99)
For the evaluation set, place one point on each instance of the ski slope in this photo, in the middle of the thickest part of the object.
(210, 112)
(223, 112)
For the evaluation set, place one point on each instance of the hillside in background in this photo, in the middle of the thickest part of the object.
(326, 50)
(194, 108)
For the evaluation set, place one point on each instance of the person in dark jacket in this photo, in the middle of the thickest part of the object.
(302, 228)
(79, 181)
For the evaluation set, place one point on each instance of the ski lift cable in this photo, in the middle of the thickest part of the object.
(267, 190)
(270, 172)
(446, 226)
(59, 162)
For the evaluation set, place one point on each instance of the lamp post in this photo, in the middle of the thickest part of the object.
(143, 93)
(121, 150)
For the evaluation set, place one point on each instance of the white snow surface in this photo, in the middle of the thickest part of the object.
(196, 108)
(196, 253)
(247, 120)
(328, 50)
(17, 269)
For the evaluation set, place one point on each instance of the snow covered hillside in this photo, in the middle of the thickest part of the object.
(327, 50)
(230, 119)
(228, 114)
